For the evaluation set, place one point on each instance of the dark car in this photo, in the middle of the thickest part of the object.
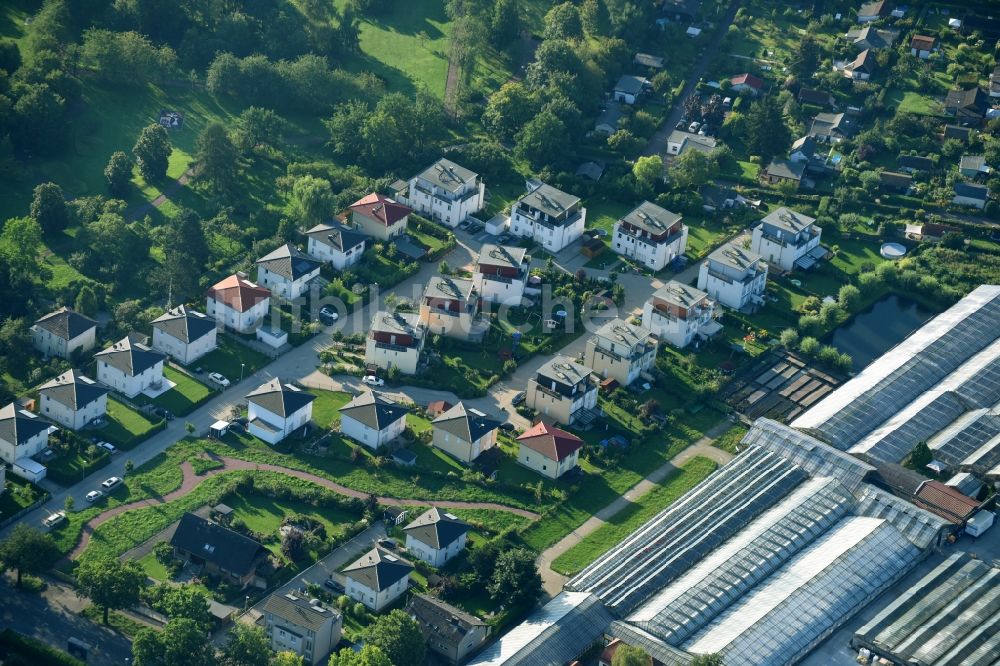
(508, 427)
(333, 585)
(518, 398)
(241, 420)
(164, 413)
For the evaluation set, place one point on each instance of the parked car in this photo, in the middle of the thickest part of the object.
(504, 238)
(94, 495)
(463, 225)
(54, 519)
(219, 379)
(372, 380)
(111, 483)
(163, 413)
(681, 124)
(328, 314)
(693, 127)
(507, 426)
(388, 544)
(241, 420)
(109, 447)
(98, 422)
(334, 585)
(518, 398)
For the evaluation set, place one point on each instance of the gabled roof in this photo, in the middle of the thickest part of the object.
(447, 175)
(283, 399)
(549, 441)
(289, 262)
(465, 423)
(298, 610)
(703, 143)
(238, 293)
(915, 162)
(786, 169)
(893, 179)
(651, 218)
(864, 62)
(880, 8)
(957, 132)
(972, 190)
(945, 501)
(610, 116)
(922, 42)
(872, 37)
(972, 162)
(973, 99)
(805, 145)
(378, 570)
(748, 80)
(436, 529)
(381, 208)
(648, 60)
(450, 288)
(217, 544)
(17, 427)
(337, 236)
(827, 124)
(630, 85)
(374, 410)
(501, 255)
(441, 622)
(565, 369)
(65, 323)
(72, 389)
(184, 324)
(130, 356)
(820, 97)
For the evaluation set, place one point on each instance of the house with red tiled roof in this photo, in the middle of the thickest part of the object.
(945, 501)
(238, 303)
(746, 81)
(379, 216)
(548, 450)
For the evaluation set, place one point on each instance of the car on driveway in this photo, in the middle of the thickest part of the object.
(54, 519)
(518, 398)
(372, 380)
(163, 413)
(507, 426)
(109, 447)
(334, 585)
(113, 482)
(94, 495)
(219, 379)
(328, 314)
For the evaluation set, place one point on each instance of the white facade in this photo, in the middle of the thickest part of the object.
(50, 344)
(127, 384)
(74, 419)
(545, 466)
(552, 238)
(620, 351)
(339, 258)
(375, 600)
(502, 291)
(550, 217)
(272, 428)
(677, 314)
(650, 235)
(283, 286)
(784, 237)
(232, 318)
(436, 557)
(561, 389)
(501, 274)
(446, 193)
(734, 277)
(184, 352)
(30, 446)
(368, 436)
(386, 356)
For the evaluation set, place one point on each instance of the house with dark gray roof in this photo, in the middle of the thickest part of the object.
(900, 182)
(287, 271)
(63, 332)
(450, 306)
(862, 67)
(873, 11)
(184, 334)
(464, 433)
(815, 97)
(372, 419)
(783, 171)
(971, 194)
(449, 631)
(958, 133)
(301, 625)
(549, 216)
(968, 106)
(629, 88)
(22, 435)
(563, 390)
(651, 235)
(436, 537)
(446, 192)
(913, 163)
(276, 409)
(832, 127)
(607, 122)
(377, 578)
(869, 37)
(339, 245)
(734, 277)
(218, 550)
(72, 399)
(130, 367)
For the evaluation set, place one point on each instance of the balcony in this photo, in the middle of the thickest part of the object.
(388, 346)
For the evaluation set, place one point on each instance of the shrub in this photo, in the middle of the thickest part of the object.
(809, 346)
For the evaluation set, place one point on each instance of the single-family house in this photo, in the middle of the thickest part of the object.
(72, 399)
(501, 274)
(607, 122)
(63, 332)
(928, 231)
(815, 97)
(276, 409)
(629, 88)
(621, 351)
(379, 216)
(302, 625)
(897, 182)
(870, 37)
(436, 537)
(130, 367)
(377, 578)
(22, 434)
(590, 170)
(678, 141)
(971, 194)
(873, 11)
(649, 60)
(862, 67)
(446, 192)
(715, 198)
(436, 408)
(958, 133)
(746, 82)
(184, 334)
(450, 306)
(914, 163)
(372, 419)
(395, 340)
(336, 244)
(219, 550)
(237, 303)
(783, 171)
(787, 239)
(550, 217)
(995, 82)
(562, 390)
(287, 271)
(681, 11)
(679, 313)
(968, 106)
(922, 46)
(734, 277)
(449, 631)
(651, 235)
(832, 127)
(972, 166)
(817, 158)
(548, 450)
(464, 433)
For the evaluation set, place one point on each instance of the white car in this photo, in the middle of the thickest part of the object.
(94, 495)
(113, 482)
(373, 380)
(54, 519)
(108, 446)
(219, 379)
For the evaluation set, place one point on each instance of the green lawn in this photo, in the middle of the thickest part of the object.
(126, 427)
(183, 398)
(228, 358)
(19, 494)
(325, 409)
(70, 468)
(153, 568)
(728, 440)
(264, 515)
(909, 101)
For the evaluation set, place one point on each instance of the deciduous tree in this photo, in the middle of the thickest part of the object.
(217, 157)
(630, 655)
(247, 645)
(542, 140)
(399, 637)
(563, 22)
(118, 173)
(27, 551)
(48, 208)
(180, 643)
(370, 655)
(109, 582)
(152, 151)
(515, 579)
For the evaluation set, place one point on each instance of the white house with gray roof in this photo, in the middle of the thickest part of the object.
(734, 277)
(620, 350)
(63, 332)
(501, 274)
(680, 141)
(372, 419)
(629, 88)
(450, 306)
(395, 340)
(449, 631)
(184, 334)
(651, 235)
(550, 217)
(22, 435)
(445, 192)
(130, 367)
(287, 271)
(678, 313)
(277, 409)
(377, 578)
(304, 626)
(562, 390)
(464, 433)
(336, 244)
(72, 399)
(436, 537)
(787, 239)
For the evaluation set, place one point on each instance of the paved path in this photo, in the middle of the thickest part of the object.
(172, 188)
(552, 581)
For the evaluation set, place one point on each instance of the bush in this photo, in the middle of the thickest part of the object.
(809, 346)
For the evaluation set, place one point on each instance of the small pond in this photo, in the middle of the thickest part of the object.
(873, 331)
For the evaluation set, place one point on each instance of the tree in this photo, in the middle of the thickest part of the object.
(20, 245)
(508, 110)
(48, 208)
(257, 126)
(789, 338)
(180, 601)
(630, 655)
(369, 655)
(563, 22)
(648, 171)
(921, 456)
(109, 582)
(595, 17)
(118, 173)
(515, 579)
(707, 660)
(38, 119)
(809, 346)
(849, 297)
(152, 151)
(313, 199)
(288, 658)
(505, 23)
(69, 503)
(806, 59)
(690, 170)
(217, 157)
(247, 645)
(767, 134)
(180, 643)
(399, 637)
(542, 140)
(953, 240)
(27, 551)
